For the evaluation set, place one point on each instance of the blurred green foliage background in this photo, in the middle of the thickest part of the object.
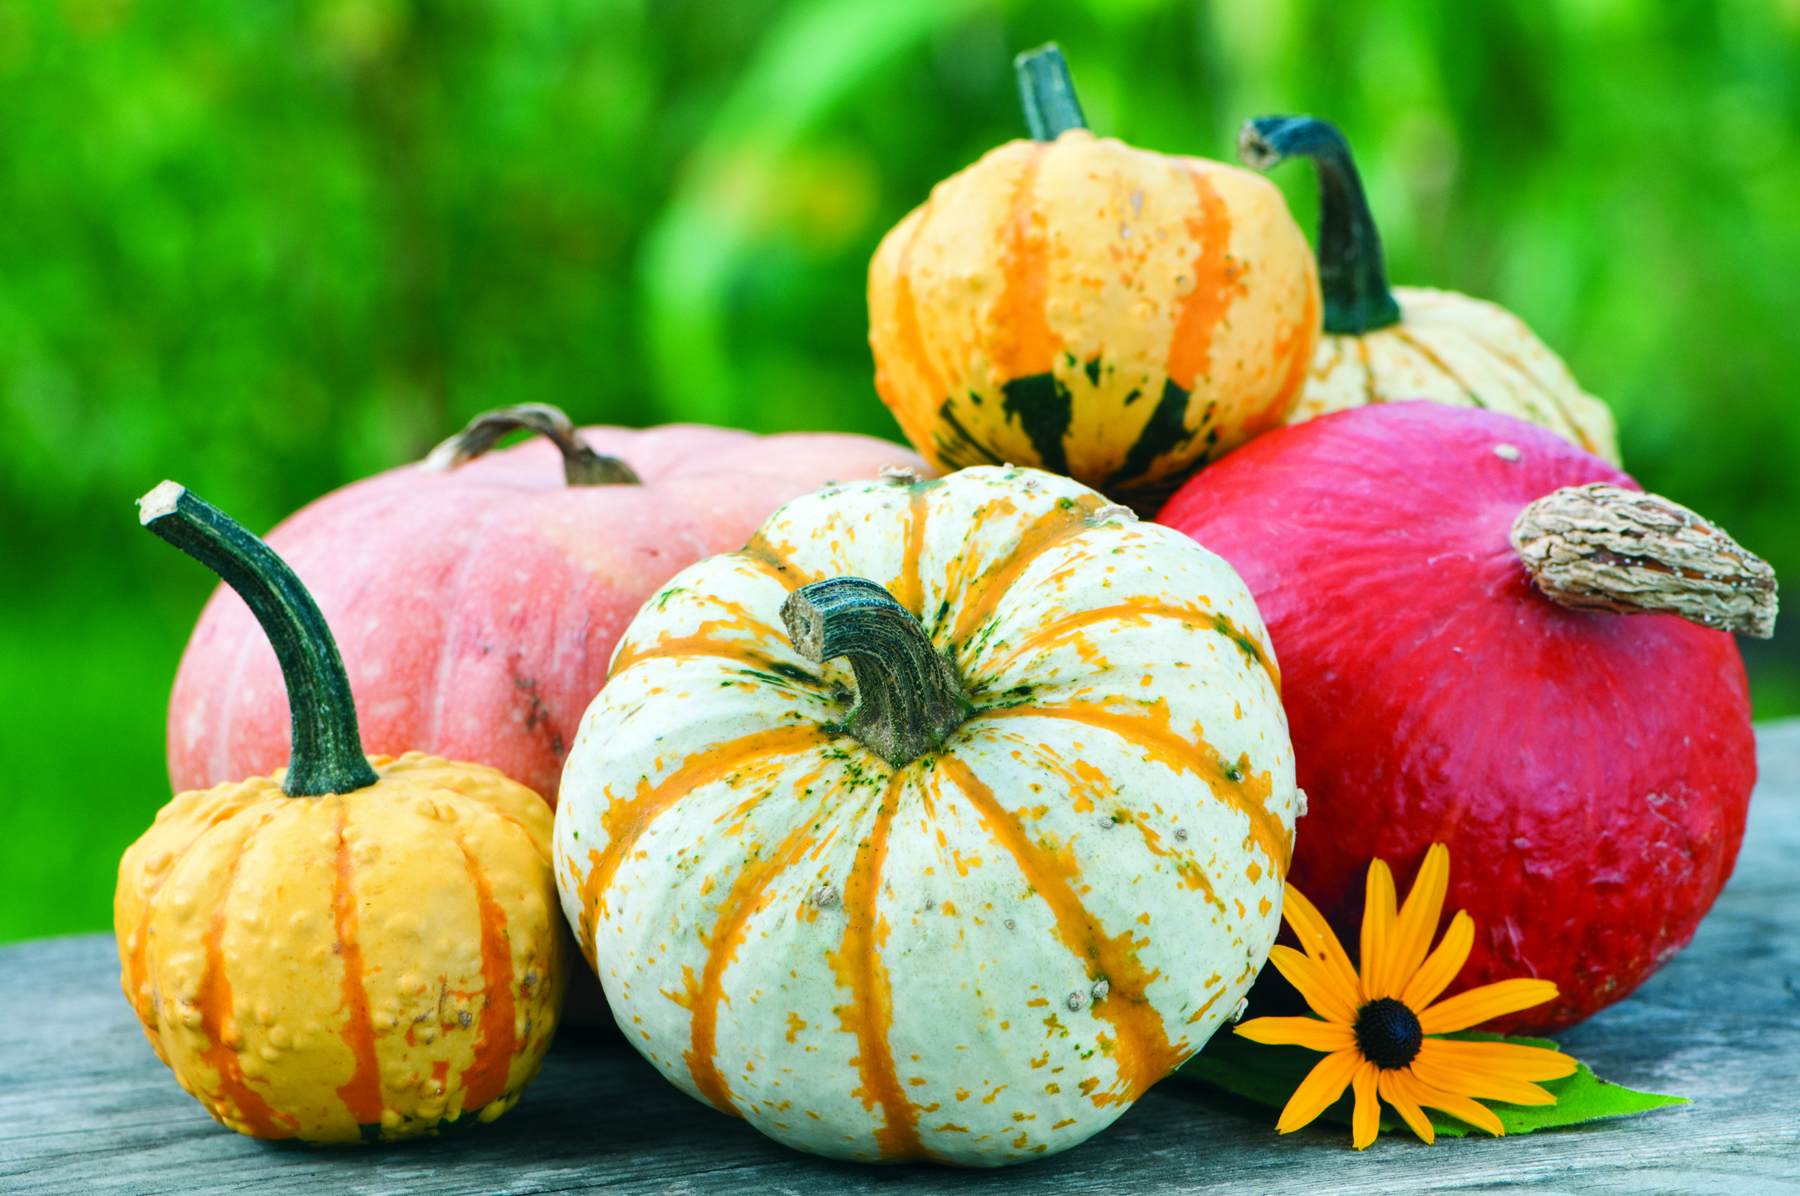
(265, 248)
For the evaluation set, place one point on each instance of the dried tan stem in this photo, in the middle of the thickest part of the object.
(1600, 547)
(582, 466)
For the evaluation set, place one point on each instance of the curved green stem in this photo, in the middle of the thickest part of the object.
(908, 697)
(1047, 93)
(582, 466)
(327, 747)
(1352, 270)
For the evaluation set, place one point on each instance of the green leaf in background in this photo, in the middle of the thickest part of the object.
(272, 248)
(1268, 1075)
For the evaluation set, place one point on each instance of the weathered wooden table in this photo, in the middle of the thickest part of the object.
(86, 1107)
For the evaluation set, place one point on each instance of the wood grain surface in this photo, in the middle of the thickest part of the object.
(86, 1107)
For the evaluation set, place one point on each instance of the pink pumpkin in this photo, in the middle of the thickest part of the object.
(477, 607)
(1589, 770)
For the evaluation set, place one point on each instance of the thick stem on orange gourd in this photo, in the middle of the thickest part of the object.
(582, 466)
(1047, 93)
(1600, 547)
(1352, 269)
(908, 696)
(327, 752)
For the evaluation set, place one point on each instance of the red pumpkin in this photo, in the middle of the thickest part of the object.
(1589, 771)
(477, 607)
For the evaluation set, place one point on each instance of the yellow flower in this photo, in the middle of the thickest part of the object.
(1378, 1025)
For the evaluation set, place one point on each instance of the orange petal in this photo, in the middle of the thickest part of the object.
(1365, 1122)
(1318, 941)
(1392, 1086)
(1469, 1082)
(1418, 920)
(1442, 965)
(1322, 1085)
(1460, 1107)
(1479, 1116)
(1377, 928)
(1489, 1001)
(1315, 984)
(1510, 1060)
(1308, 1032)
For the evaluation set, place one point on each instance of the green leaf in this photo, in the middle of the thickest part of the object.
(1268, 1075)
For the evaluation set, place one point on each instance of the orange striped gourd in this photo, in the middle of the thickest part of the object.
(940, 822)
(352, 948)
(1092, 309)
(1381, 345)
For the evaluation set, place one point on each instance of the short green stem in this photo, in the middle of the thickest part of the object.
(1047, 93)
(582, 466)
(327, 754)
(1352, 269)
(908, 696)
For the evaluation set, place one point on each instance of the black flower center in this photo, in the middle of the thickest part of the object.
(1388, 1033)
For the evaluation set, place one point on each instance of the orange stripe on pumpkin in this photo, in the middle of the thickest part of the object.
(1166, 747)
(213, 1000)
(1297, 347)
(870, 1012)
(142, 998)
(693, 645)
(906, 319)
(1140, 611)
(1144, 1053)
(1045, 532)
(1022, 340)
(909, 589)
(361, 1093)
(748, 896)
(627, 818)
(484, 1080)
(1215, 282)
(761, 555)
(1088, 784)
(701, 643)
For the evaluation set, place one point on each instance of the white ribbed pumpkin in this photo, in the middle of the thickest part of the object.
(984, 952)
(1461, 352)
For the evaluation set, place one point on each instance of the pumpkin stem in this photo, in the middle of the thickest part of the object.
(908, 696)
(1047, 93)
(1600, 547)
(327, 747)
(1352, 270)
(582, 466)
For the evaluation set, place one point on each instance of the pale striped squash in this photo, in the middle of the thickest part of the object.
(1384, 345)
(980, 955)
(1459, 351)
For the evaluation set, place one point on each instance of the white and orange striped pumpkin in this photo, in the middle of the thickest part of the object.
(979, 946)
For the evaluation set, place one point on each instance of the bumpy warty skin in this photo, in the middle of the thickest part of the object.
(984, 955)
(374, 964)
(1093, 309)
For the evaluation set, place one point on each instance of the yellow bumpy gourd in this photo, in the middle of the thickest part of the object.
(372, 959)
